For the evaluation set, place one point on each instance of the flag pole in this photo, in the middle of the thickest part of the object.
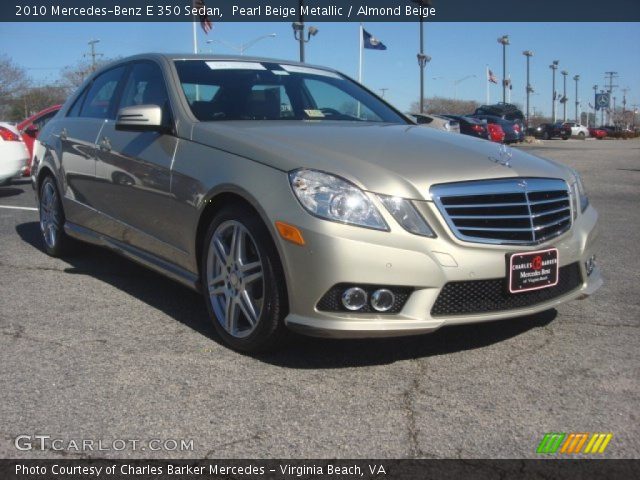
(361, 48)
(486, 79)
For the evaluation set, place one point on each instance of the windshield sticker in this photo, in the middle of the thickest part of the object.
(314, 113)
(312, 71)
(235, 66)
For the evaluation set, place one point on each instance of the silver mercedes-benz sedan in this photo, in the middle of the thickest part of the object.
(293, 197)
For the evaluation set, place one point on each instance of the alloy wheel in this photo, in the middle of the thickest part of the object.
(235, 279)
(50, 218)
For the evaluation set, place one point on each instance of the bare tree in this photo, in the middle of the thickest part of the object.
(34, 99)
(442, 105)
(73, 75)
(13, 81)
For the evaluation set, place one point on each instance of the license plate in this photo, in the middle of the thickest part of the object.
(533, 270)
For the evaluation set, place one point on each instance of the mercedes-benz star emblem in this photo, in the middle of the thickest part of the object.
(504, 156)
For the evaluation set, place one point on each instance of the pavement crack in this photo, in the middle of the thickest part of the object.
(216, 448)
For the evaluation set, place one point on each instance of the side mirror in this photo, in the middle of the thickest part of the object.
(32, 130)
(140, 118)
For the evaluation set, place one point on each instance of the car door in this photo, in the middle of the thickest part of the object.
(133, 169)
(78, 133)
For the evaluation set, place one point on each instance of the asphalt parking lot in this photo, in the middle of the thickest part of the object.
(96, 347)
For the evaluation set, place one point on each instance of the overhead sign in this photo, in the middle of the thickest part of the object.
(603, 100)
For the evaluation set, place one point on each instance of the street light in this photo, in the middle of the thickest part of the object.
(577, 79)
(504, 41)
(528, 54)
(243, 46)
(595, 112)
(554, 67)
(457, 82)
(422, 58)
(299, 31)
(564, 95)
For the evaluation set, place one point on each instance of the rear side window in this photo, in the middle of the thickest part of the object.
(101, 95)
(74, 111)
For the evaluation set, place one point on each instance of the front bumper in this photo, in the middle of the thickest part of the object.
(337, 254)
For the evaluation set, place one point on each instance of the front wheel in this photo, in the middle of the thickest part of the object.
(581, 135)
(243, 282)
(565, 138)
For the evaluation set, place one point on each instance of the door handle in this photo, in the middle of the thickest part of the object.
(105, 144)
(63, 134)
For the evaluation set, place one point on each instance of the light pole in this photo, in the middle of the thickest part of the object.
(595, 112)
(459, 81)
(504, 41)
(576, 78)
(422, 58)
(564, 95)
(553, 67)
(243, 46)
(299, 31)
(528, 54)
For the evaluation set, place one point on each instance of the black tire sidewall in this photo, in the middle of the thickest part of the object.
(270, 330)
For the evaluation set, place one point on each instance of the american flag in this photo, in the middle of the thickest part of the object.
(491, 77)
(205, 22)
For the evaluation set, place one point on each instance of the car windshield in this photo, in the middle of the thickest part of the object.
(220, 90)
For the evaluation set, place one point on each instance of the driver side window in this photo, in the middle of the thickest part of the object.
(145, 86)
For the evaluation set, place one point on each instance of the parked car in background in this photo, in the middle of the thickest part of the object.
(13, 153)
(577, 130)
(547, 131)
(597, 133)
(30, 128)
(506, 111)
(258, 186)
(512, 131)
(471, 126)
(436, 121)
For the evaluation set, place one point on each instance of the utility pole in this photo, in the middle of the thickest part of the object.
(611, 76)
(504, 41)
(93, 54)
(564, 95)
(383, 91)
(553, 67)
(624, 103)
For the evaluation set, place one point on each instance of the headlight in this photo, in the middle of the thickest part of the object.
(332, 198)
(406, 215)
(583, 200)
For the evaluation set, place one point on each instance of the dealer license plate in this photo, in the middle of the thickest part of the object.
(533, 270)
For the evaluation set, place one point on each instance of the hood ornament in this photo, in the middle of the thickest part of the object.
(504, 156)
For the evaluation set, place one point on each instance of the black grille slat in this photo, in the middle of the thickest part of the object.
(517, 211)
(484, 296)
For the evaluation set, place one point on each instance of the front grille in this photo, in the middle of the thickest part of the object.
(524, 211)
(484, 296)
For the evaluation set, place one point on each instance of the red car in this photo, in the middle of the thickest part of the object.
(598, 133)
(496, 134)
(30, 128)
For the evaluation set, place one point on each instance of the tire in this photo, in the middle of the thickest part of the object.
(546, 136)
(581, 135)
(243, 282)
(565, 138)
(56, 242)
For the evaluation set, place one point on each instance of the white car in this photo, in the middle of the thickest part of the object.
(436, 121)
(13, 153)
(578, 130)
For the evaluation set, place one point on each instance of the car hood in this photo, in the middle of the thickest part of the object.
(400, 160)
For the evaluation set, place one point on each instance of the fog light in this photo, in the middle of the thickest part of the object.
(354, 298)
(590, 265)
(382, 300)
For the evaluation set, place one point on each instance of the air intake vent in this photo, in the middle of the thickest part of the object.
(524, 211)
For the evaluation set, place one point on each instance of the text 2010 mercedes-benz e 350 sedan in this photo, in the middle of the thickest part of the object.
(291, 196)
